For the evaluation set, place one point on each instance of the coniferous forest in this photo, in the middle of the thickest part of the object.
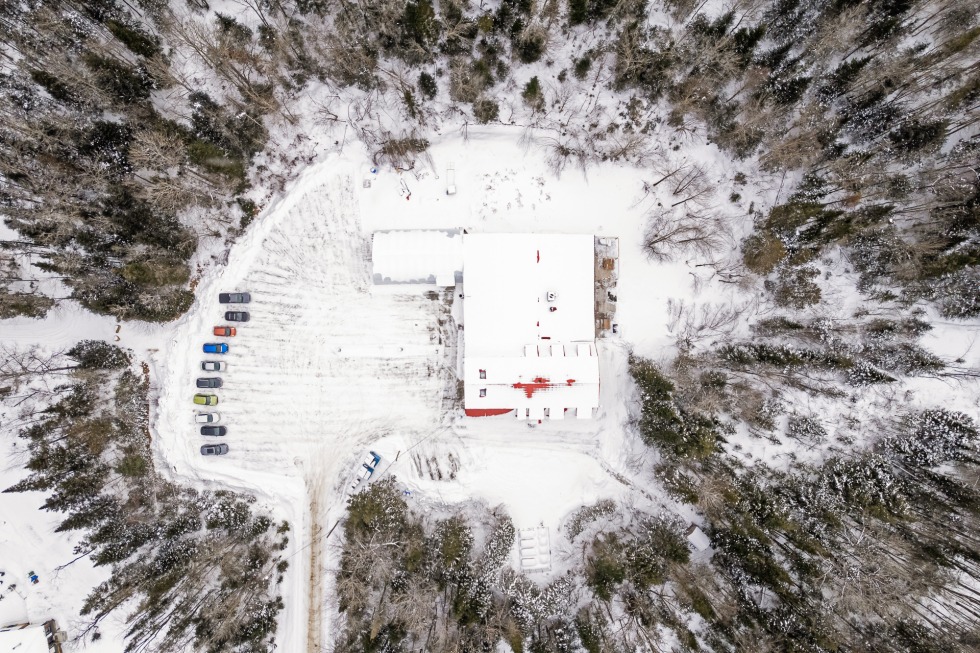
(134, 129)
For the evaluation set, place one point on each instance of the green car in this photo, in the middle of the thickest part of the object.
(206, 400)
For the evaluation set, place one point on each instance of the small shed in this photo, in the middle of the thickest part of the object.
(418, 257)
(697, 538)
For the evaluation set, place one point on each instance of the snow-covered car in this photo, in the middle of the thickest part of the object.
(225, 331)
(214, 430)
(207, 418)
(362, 473)
(215, 348)
(205, 400)
(371, 461)
(236, 316)
(209, 382)
(234, 297)
(214, 449)
(214, 366)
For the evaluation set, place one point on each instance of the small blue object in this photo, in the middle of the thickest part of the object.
(374, 171)
(407, 493)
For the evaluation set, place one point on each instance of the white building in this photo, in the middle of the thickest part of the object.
(31, 638)
(417, 257)
(528, 314)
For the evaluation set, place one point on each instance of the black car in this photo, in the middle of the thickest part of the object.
(214, 449)
(214, 430)
(209, 382)
(236, 316)
(234, 297)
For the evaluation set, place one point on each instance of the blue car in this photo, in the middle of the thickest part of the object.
(215, 348)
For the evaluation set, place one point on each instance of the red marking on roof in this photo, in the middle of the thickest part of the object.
(537, 383)
(487, 412)
(539, 256)
(570, 381)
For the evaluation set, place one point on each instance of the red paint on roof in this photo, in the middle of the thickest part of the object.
(537, 383)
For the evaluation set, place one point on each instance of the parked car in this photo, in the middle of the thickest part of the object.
(214, 430)
(234, 298)
(209, 382)
(206, 400)
(215, 348)
(236, 316)
(214, 449)
(363, 473)
(371, 461)
(225, 331)
(213, 366)
(207, 418)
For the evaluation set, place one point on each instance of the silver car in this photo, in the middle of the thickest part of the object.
(207, 418)
(214, 366)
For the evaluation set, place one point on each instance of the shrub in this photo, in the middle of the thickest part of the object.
(98, 355)
(485, 110)
(935, 436)
(156, 273)
(762, 252)
(604, 568)
(662, 422)
(122, 83)
(249, 210)
(27, 304)
(533, 97)
(134, 37)
(427, 85)
(806, 429)
(419, 25)
(582, 67)
(531, 44)
(795, 289)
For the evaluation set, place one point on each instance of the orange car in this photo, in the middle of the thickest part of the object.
(224, 331)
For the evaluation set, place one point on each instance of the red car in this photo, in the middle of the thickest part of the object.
(224, 331)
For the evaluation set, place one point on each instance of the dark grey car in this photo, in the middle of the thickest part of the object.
(209, 382)
(236, 316)
(234, 297)
(214, 449)
(214, 430)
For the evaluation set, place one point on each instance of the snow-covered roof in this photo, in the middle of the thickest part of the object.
(529, 318)
(697, 538)
(429, 257)
(507, 279)
(27, 639)
(532, 383)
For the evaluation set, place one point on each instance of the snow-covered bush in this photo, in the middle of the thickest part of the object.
(806, 429)
(936, 436)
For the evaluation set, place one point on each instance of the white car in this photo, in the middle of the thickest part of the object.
(207, 418)
(214, 366)
(363, 473)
